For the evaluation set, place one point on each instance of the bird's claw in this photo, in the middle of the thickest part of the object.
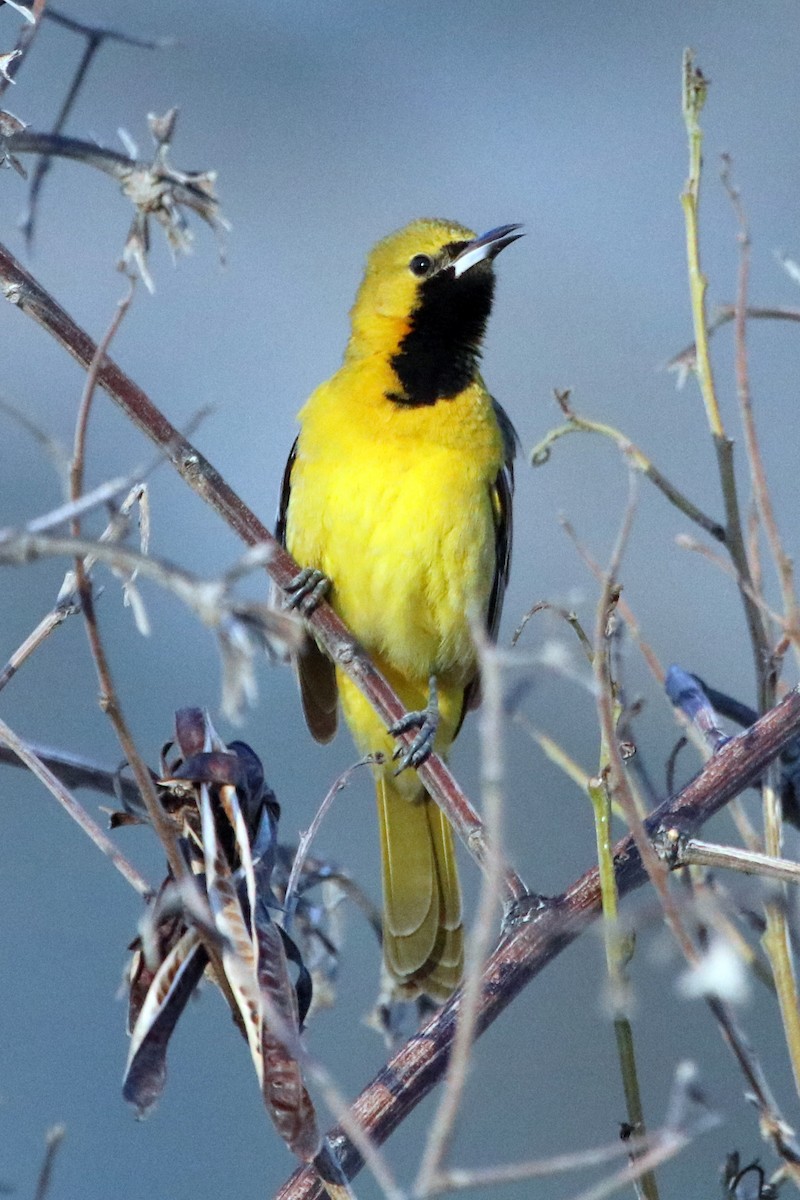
(307, 590)
(426, 721)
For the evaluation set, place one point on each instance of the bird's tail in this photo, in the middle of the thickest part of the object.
(423, 937)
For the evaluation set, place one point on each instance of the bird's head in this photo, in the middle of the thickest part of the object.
(424, 302)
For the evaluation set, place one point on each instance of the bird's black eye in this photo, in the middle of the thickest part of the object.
(421, 264)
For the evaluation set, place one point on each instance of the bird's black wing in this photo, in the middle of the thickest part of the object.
(502, 494)
(315, 671)
(286, 491)
(502, 498)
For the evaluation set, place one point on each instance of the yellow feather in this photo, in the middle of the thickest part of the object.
(393, 495)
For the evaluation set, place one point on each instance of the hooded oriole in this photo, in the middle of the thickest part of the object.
(398, 491)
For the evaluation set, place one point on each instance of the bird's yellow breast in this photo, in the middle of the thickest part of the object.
(392, 502)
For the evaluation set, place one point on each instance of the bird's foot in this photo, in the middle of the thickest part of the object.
(426, 720)
(307, 590)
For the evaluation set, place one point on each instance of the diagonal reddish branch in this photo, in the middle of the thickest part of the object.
(22, 289)
(534, 939)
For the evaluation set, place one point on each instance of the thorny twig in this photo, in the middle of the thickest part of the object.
(26, 35)
(67, 603)
(241, 626)
(95, 37)
(156, 189)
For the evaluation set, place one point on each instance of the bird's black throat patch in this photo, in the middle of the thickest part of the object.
(438, 356)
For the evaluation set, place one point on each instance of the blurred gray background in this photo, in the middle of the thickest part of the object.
(330, 124)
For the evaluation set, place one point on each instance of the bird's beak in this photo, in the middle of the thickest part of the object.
(487, 246)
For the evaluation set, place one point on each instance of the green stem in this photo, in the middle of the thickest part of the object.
(776, 936)
(619, 949)
(695, 89)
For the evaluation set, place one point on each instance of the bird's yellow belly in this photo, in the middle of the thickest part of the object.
(409, 549)
(410, 553)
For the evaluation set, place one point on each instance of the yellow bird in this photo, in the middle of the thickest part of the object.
(397, 500)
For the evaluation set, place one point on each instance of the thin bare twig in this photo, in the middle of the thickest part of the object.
(53, 449)
(671, 1137)
(678, 1130)
(567, 615)
(729, 568)
(208, 599)
(440, 1136)
(306, 838)
(694, 852)
(159, 818)
(758, 473)
(631, 624)
(74, 771)
(773, 1126)
(660, 1152)
(776, 938)
(24, 43)
(635, 458)
(84, 411)
(66, 607)
(695, 89)
(53, 1140)
(67, 603)
(25, 754)
(685, 360)
(102, 495)
(456, 1179)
